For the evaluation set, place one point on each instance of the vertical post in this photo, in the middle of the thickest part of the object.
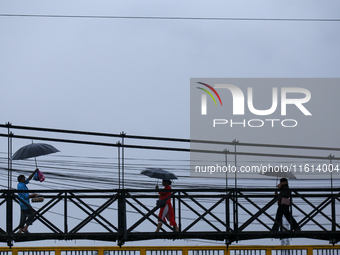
(227, 211)
(235, 143)
(185, 251)
(310, 251)
(235, 195)
(57, 251)
(142, 250)
(15, 251)
(123, 135)
(121, 218)
(119, 145)
(9, 151)
(121, 198)
(9, 216)
(65, 214)
(10, 195)
(333, 214)
(226, 165)
(290, 213)
(179, 212)
(226, 250)
(332, 198)
(330, 162)
(235, 214)
(8, 157)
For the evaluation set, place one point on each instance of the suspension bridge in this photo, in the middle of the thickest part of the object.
(129, 213)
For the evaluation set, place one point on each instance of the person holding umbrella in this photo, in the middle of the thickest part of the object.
(166, 212)
(27, 213)
(283, 208)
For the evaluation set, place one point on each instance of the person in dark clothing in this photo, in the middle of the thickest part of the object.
(283, 208)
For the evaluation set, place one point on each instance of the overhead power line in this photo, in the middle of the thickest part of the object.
(168, 18)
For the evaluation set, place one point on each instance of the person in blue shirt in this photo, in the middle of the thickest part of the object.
(27, 213)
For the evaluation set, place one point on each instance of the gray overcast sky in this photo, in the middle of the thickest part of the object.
(133, 75)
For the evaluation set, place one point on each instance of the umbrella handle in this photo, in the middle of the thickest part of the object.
(36, 166)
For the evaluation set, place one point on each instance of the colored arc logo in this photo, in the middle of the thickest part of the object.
(208, 92)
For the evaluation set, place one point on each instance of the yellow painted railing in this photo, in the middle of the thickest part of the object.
(176, 250)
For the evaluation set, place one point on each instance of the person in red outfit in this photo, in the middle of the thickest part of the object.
(166, 212)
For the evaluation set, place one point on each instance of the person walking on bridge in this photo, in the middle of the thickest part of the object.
(166, 212)
(27, 213)
(283, 208)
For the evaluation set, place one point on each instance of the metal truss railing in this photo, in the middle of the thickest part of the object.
(131, 214)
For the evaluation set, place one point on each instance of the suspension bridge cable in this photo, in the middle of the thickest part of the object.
(169, 18)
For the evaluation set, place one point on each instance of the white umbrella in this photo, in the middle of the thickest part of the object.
(279, 172)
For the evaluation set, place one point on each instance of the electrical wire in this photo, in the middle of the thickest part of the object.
(83, 172)
(169, 18)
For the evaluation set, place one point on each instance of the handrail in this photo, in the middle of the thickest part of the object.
(186, 250)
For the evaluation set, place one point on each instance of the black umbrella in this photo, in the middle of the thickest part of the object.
(33, 150)
(159, 173)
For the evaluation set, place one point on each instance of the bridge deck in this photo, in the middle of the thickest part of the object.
(178, 250)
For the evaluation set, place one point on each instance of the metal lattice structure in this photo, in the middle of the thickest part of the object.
(126, 215)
